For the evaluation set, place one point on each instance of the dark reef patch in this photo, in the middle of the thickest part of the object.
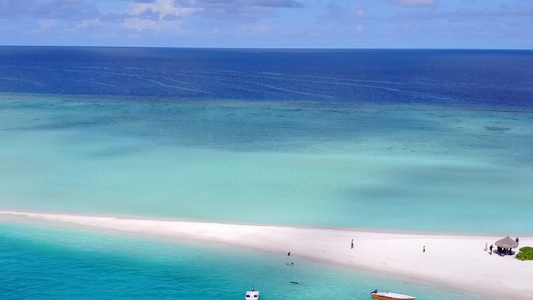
(497, 128)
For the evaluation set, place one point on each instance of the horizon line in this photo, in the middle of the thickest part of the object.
(269, 48)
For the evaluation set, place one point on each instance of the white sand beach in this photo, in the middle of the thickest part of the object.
(451, 261)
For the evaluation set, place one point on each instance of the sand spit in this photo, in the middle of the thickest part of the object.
(456, 262)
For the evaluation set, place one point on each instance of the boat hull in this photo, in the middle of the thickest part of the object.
(391, 296)
(252, 295)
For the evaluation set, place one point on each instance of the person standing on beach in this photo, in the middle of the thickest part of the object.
(490, 249)
(352, 243)
(424, 249)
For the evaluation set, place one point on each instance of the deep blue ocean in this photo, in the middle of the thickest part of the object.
(426, 140)
(499, 78)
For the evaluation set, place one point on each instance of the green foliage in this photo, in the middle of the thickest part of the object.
(526, 253)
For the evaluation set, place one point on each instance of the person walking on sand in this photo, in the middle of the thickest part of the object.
(352, 243)
(424, 249)
(490, 248)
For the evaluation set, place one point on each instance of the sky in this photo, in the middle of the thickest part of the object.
(478, 24)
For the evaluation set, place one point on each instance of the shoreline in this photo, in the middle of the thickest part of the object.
(453, 261)
(189, 220)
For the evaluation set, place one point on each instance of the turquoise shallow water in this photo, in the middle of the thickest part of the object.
(51, 263)
(431, 168)
(395, 139)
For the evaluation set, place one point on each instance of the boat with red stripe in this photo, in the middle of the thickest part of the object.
(390, 296)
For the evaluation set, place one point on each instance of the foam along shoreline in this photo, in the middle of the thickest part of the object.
(455, 262)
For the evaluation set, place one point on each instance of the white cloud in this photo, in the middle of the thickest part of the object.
(359, 29)
(360, 12)
(255, 29)
(158, 15)
(45, 25)
(139, 24)
(168, 27)
(163, 8)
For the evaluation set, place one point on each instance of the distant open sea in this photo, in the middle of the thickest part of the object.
(426, 140)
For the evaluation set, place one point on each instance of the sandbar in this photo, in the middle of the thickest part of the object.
(451, 261)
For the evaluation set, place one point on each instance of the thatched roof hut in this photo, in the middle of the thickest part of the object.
(506, 243)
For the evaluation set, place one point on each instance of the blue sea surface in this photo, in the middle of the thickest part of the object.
(426, 140)
(487, 78)
(432, 168)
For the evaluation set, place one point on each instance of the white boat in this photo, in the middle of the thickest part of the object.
(253, 294)
(390, 296)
